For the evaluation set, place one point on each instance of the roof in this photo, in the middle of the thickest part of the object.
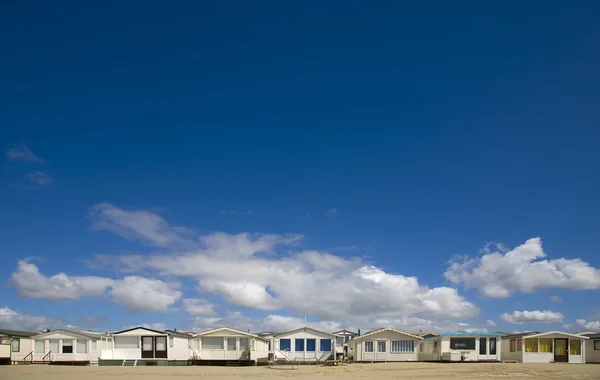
(345, 332)
(68, 332)
(387, 329)
(558, 333)
(305, 328)
(179, 333)
(141, 328)
(234, 330)
(591, 335)
(17, 333)
(471, 333)
(520, 335)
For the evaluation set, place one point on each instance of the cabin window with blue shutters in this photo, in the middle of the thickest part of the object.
(325, 345)
(299, 344)
(285, 344)
(311, 345)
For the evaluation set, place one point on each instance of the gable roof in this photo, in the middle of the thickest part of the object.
(558, 333)
(520, 335)
(77, 333)
(230, 329)
(473, 333)
(345, 332)
(17, 333)
(387, 329)
(305, 328)
(180, 334)
(140, 328)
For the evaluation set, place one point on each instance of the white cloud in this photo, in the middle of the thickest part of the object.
(331, 212)
(589, 326)
(32, 284)
(141, 225)
(555, 299)
(499, 273)
(264, 272)
(20, 151)
(568, 326)
(490, 323)
(141, 294)
(226, 211)
(14, 320)
(535, 316)
(198, 307)
(40, 178)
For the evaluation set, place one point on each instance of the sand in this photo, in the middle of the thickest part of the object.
(353, 371)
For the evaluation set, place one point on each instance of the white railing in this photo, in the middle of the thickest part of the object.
(62, 357)
(21, 357)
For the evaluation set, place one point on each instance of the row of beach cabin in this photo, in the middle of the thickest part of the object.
(224, 346)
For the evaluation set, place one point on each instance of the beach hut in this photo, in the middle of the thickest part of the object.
(592, 347)
(14, 345)
(548, 347)
(303, 345)
(384, 345)
(66, 347)
(144, 346)
(462, 346)
(341, 345)
(223, 345)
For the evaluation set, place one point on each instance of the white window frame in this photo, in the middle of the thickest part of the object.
(402, 346)
(12, 345)
(379, 343)
(79, 344)
(369, 346)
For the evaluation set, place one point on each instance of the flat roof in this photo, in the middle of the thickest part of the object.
(472, 333)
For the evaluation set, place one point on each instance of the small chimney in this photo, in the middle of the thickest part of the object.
(175, 329)
(358, 332)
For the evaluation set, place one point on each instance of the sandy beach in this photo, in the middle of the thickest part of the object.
(357, 371)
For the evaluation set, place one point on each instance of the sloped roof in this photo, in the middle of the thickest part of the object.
(140, 328)
(472, 333)
(17, 333)
(558, 333)
(67, 332)
(305, 328)
(230, 329)
(387, 329)
(520, 335)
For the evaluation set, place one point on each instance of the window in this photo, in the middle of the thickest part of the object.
(53, 345)
(16, 345)
(231, 344)
(285, 344)
(67, 346)
(482, 346)
(462, 343)
(94, 347)
(311, 345)
(596, 345)
(531, 345)
(161, 343)
(299, 344)
(82, 346)
(575, 347)
(368, 346)
(270, 345)
(39, 347)
(493, 343)
(545, 345)
(381, 346)
(212, 343)
(244, 344)
(171, 339)
(516, 345)
(404, 346)
(126, 342)
(325, 345)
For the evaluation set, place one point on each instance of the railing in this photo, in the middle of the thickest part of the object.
(23, 357)
(325, 356)
(48, 355)
(63, 357)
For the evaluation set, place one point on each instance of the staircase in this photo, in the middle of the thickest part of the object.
(129, 363)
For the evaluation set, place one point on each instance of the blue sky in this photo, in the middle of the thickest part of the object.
(197, 165)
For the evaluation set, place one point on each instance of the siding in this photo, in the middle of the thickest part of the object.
(357, 348)
(591, 355)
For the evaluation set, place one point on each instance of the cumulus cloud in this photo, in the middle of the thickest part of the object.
(32, 284)
(535, 316)
(490, 323)
(20, 151)
(500, 272)
(11, 319)
(198, 307)
(39, 178)
(588, 325)
(555, 299)
(141, 294)
(134, 292)
(141, 225)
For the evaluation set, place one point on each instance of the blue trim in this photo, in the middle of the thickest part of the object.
(475, 333)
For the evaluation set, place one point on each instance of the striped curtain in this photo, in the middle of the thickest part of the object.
(545, 345)
(531, 345)
(575, 347)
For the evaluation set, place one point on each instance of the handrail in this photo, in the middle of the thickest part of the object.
(48, 354)
(284, 355)
(327, 354)
(30, 355)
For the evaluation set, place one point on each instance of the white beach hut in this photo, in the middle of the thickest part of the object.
(548, 347)
(384, 345)
(304, 345)
(225, 344)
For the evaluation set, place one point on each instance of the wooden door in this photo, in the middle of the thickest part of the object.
(561, 353)
(147, 347)
(160, 347)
